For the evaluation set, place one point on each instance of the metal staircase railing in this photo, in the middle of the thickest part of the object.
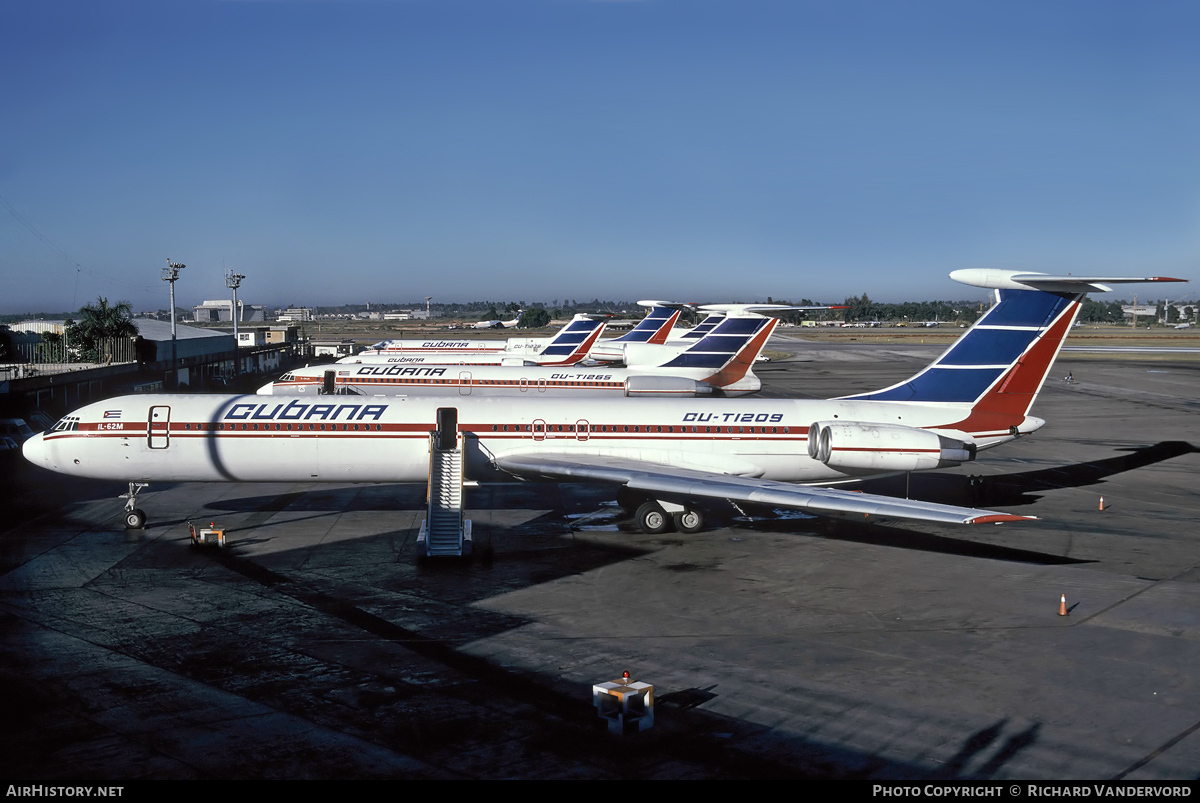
(445, 532)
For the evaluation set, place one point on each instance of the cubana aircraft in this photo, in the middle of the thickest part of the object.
(665, 456)
(655, 328)
(717, 364)
(569, 346)
(655, 352)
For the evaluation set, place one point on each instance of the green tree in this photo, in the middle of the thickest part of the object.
(533, 318)
(97, 323)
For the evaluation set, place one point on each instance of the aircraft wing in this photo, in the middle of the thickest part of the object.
(680, 485)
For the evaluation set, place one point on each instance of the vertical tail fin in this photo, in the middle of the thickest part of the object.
(655, 327)
(1012, 346)
(573, 342)
(729, 350)
(998, 367)
(703, 328)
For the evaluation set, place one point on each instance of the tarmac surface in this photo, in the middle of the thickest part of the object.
(318, 646)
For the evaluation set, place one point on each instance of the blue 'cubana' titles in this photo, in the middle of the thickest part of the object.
(733, 418)
(396, 370)
(446, 344)
(295, 411)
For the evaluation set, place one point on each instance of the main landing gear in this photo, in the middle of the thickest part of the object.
(135, 519)
(654, 517)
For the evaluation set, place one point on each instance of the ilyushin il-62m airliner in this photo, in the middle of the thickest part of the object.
(719, 363)
(570, 345)
(669, 458)
(633, 350)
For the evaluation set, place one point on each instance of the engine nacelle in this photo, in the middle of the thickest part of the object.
(665, 386)
(856, 447)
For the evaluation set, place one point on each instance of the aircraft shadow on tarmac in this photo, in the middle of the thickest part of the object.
(1010, 490)
(1005, 490)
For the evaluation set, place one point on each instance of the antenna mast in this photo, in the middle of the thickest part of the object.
(171, 274)
(234, 281)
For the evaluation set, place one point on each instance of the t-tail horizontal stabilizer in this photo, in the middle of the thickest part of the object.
(1024, 280)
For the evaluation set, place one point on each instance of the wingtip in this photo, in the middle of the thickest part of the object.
(998, 518)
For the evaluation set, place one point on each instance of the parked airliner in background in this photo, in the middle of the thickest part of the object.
(655, 328)
(494, 324)
(684, 456)
(654, 352)
(569, 346)
(719, 363)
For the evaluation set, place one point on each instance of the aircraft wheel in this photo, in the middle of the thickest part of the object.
(135, 519)
(689, 521)
(652, 518)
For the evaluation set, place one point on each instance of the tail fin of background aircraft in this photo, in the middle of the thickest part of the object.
(718, 313)
(729, 350)
(655, 327)
(999, 365)
(573, 341)
(705, 326)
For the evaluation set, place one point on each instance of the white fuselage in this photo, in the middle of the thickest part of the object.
(520, 381)
(361, 439)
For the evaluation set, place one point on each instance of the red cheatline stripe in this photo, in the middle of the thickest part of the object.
(999, 517)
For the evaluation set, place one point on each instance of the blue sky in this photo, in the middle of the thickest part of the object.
(339, 152)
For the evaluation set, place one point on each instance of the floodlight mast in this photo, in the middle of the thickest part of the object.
(234, 281)
(171, 274)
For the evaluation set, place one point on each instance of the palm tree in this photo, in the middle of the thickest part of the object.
(97, 323)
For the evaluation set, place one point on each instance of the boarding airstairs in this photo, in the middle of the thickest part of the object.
(445, 532)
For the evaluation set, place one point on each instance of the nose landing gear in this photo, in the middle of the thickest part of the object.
(135, 519)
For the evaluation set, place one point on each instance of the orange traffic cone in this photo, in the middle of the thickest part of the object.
(1062, 606)
(1102, 504)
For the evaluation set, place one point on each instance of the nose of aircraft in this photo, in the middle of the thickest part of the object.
(34, 450)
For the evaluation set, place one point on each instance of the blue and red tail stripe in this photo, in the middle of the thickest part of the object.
(654, 328)
(572, 344)
(725, 341)
(703, 328)
(567, 341)
(994, 348)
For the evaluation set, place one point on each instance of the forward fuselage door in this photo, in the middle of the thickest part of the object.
(582, 430)
(464, 383)
(447, 429)
(158, 427)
